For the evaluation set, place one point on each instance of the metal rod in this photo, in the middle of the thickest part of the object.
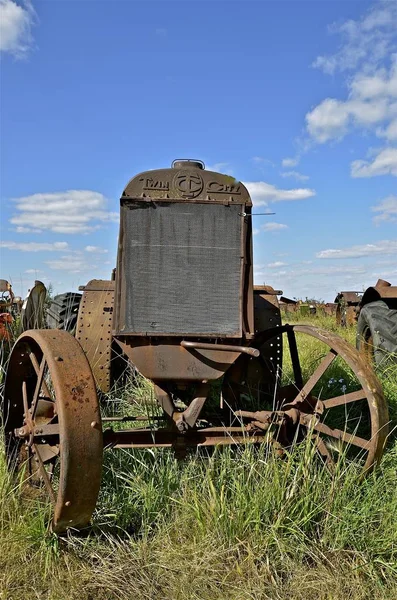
(223, 347)
(138, 418)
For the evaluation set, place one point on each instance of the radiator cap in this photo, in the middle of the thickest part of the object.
(181, 163)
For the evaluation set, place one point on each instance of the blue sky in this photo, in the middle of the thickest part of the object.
(297, 99)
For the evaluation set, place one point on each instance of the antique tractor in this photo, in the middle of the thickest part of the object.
(181, 307)
(374, 313)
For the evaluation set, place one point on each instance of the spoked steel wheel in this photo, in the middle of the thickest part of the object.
(334, 399)
(52, 424)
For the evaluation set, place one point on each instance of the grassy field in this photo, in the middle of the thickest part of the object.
(234, 525)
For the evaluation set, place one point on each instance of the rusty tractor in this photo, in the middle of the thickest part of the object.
(182, 308)
(346, 308)
(376, 336)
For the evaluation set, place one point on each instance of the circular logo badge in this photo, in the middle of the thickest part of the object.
(188, 184)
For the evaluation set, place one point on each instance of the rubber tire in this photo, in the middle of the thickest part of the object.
(379, 322)
(62, 312)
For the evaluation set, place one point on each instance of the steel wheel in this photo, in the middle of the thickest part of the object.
(337, 403)
(52, 424)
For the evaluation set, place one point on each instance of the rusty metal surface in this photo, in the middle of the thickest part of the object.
(94, 329)
(346, 311)
(164, 359)
(187, 182)
(382, 290)
(224, 347)
(330, 308)
(32, 314)
(5, 329)
(297, 409)
(267, 289)
(51, 416)
(350, 298)
(166, 438)
(371, 391)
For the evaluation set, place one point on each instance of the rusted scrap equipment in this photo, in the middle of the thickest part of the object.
(347, 302)
(288, 305)
(8, 301)
(183, 309)
(377, 323)
(330, 308)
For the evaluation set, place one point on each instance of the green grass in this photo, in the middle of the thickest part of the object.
(234, 525)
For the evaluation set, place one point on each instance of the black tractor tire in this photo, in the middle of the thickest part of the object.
(376, 337)
(62, 312)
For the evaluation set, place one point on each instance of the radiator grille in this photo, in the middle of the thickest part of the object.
(181, 269)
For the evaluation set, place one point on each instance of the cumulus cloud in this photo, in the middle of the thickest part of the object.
(259, 160)
(369, 50)
(16, 21)
(276, 264)
(371, 102)
(384, 163)
(273, 226)
(70, 263)
(289, 162)
(72, 211)
(35, 246)
(387, 210)
(379, 248)
(368, 39)
(389, 132)
(220, 167)
(295, 175)
(262, 193)
(96, 249)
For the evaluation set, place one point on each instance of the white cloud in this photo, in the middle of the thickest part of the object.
(289, 162)
(295, 175)
(96, 249)
(220, 167)
(379, 248)
(369, 39)
(262, 193)
(26, 230)
(273, 226)
(35, 246)
(385, 163)
(369, 49)
(328, 120)
(276, 264)
(258, 160)
(15, 27)
(387, 209)
(72, 211)
(33, 271)
(390, 132)
(70, 263)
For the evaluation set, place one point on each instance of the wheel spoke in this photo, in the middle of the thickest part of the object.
(39, 383)
(36, 367)
(322, 367)
(325, 453)
(338, 434)
(345, 399)
(296, 365)
(44, 474)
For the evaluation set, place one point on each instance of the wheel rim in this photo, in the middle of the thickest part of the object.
(52, 424)
(367, 346)
(340, 417)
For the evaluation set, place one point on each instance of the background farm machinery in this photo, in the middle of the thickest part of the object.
(374, 313)
(181, 308)
(24, 314)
